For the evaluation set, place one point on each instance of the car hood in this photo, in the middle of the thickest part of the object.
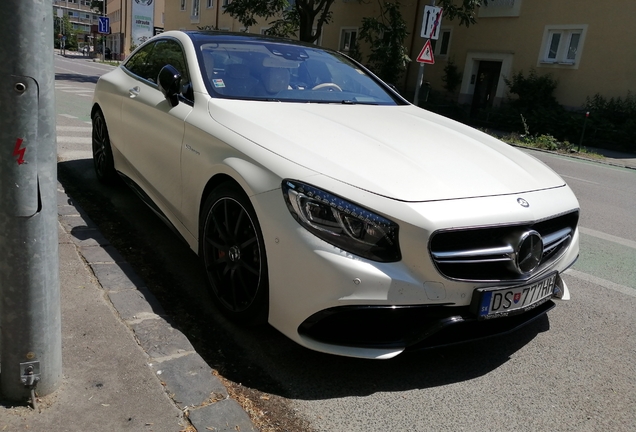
(400, 152)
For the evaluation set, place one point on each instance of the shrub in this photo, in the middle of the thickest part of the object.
(452, 77)
(612, 122)
(534, 91)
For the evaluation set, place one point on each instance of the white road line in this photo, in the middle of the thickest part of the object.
(73, 128)
(68, 116)
(579, 179)
(602, 282)
(75, 155)
(608, 237)
(77, 90)
(74, 140)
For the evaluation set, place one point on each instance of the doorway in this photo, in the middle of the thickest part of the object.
(486, 82)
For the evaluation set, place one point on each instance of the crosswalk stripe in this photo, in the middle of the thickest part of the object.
(73, 128)
(75, 155)
(74, 140)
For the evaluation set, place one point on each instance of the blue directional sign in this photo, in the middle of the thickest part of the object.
(103, 25)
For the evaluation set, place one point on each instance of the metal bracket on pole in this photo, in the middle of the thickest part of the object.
(30, 373)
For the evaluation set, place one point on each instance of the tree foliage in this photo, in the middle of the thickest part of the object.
(299, 18)
(293, 19)
(464, 10)
(98, 6)
(385, 36)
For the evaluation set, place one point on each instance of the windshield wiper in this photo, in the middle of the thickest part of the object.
(352, 102)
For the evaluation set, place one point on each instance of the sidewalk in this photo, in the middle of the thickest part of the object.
(125, 368)
(626, 160)
(610, 157)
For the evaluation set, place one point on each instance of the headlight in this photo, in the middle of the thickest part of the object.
(342, 223)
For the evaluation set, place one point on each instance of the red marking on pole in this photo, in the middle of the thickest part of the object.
(436, 22)
(19, 152)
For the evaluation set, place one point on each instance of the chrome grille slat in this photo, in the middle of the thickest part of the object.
(486, 253)
(555, 237)
(467, 261)
(473, 253)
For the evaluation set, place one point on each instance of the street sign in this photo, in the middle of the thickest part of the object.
(103, 25)
(426, 55)
(431, 22)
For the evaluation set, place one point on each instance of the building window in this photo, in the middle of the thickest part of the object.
(562, 45)
(183, 5)
(441, 46)
(225, 3)
(499, 8)
(348, 38)
(209, 3)
(195, 8)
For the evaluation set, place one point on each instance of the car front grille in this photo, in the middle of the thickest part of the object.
(488, 253)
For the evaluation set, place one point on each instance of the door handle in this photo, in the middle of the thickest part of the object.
(133, 92)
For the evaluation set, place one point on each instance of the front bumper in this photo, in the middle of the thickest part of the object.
(332, 301)
(408, 327)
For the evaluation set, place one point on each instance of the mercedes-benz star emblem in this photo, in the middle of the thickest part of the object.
(523, 202)
(529, 252)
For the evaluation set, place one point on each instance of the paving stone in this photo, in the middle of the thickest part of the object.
(131, 304)
(88, 237)
(117, 277)
(223, 416)
(159, 339)
(101, 254)
(189, 380)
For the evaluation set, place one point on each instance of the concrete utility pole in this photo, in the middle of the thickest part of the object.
(30, 317)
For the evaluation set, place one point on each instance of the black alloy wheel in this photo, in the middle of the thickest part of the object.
(234, 255)
(103, 161)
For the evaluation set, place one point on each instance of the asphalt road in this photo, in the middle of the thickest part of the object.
(573, 370)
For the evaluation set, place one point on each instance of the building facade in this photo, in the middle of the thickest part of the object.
(131, 23)
(587, 46)
(80, 17)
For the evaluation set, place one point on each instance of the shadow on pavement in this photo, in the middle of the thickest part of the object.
(262, 359)
(76, 78)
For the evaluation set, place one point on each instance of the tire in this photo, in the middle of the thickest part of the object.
(103, 161)
(233, 252)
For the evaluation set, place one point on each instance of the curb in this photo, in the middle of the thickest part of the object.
(605, 160)
(188, 380)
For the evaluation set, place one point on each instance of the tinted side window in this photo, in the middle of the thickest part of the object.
(169, 52)
(139, 63)
(148, 62)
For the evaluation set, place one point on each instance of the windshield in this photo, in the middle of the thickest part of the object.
(262, 70)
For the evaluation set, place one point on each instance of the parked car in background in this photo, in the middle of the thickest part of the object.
(324, 203)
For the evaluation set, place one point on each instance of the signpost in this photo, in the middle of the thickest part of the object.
(103, 28)
(426, 55)
(431, 24)
(30, 313)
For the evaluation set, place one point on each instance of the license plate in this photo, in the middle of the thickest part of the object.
(499, 302)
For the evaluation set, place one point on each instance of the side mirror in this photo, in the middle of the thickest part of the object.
(169, 80)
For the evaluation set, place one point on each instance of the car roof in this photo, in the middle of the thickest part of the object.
(205, 35)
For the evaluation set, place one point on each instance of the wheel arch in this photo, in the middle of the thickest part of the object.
(94, 109)
(249, 177)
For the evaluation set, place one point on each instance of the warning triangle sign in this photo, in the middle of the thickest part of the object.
(426, 56)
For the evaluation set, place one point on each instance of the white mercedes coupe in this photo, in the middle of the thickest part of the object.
(325, 204)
